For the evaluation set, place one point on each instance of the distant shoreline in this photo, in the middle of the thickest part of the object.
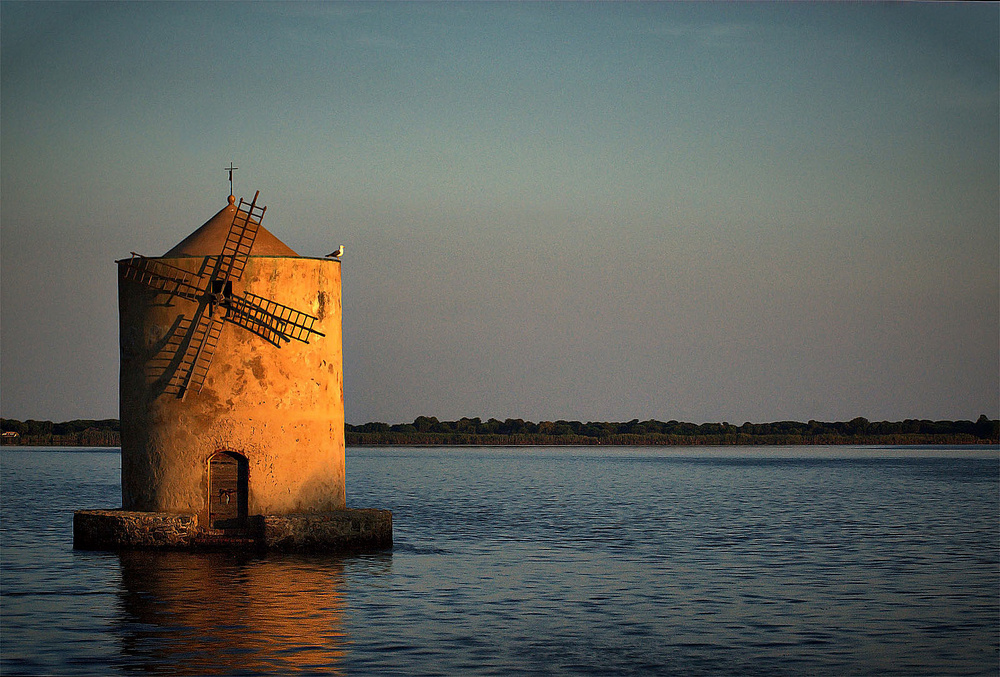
(906, 441)
(473, 432)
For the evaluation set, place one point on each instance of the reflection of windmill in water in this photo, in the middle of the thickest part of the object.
(184, 355)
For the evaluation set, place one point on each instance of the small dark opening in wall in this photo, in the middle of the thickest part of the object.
(222, 291)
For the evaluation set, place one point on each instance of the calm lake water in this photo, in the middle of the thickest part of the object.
(736, 561)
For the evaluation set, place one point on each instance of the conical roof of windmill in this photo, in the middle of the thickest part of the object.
(211, 238)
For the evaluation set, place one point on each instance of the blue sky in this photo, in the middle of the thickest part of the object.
(704, 211)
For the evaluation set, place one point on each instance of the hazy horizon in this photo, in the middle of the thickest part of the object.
(442, 420)
(700, 212)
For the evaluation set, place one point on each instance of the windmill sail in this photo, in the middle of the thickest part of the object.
(163, 277)
(239, 242)
(193, 367)
(182, 359)
(271, 320)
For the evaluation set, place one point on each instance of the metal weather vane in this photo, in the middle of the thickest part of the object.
(187, 353)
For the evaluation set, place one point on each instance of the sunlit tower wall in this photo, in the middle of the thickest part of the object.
(265, 432)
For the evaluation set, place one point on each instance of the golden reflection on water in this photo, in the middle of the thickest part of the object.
(205, 613)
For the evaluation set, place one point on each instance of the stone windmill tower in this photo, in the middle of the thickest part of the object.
(231, 382)
(232, 399)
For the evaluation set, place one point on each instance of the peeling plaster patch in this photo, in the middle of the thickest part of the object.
(257, 366)
(209, 399)
(321, 312)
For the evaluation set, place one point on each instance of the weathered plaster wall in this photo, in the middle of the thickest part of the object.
(280, 406)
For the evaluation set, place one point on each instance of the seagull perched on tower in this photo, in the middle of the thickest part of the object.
(337, 253)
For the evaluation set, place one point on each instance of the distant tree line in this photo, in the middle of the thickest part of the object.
(78, 433)
(428, 430)
(473, 431)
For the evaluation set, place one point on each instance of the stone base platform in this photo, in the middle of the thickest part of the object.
(337, 531)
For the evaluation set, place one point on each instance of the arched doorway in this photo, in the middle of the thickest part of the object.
(227, 490)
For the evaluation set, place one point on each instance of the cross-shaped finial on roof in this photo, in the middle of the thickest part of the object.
(230, 169)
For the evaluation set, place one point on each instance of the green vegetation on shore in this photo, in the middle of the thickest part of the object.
(473, 431)
(77, 433)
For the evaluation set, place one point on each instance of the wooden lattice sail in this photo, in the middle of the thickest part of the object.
(185, 358)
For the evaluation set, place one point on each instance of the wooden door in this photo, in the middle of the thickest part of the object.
(227, 490)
